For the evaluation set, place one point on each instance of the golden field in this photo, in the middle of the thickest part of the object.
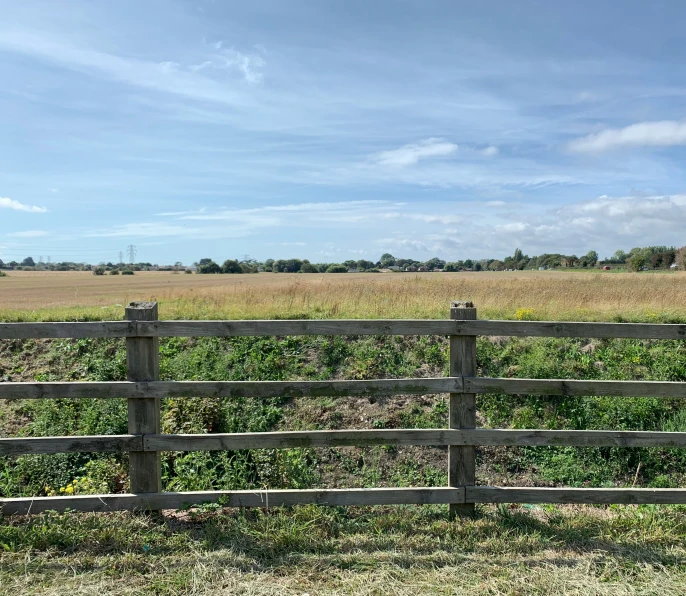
(542, 295)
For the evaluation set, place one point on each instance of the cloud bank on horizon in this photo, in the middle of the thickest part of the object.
(199, 129)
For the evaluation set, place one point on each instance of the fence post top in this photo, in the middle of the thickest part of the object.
(461, 304)
(141, 305)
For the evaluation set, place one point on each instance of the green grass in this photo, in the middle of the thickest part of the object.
(313, 550)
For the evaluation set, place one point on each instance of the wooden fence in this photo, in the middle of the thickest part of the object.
(143, 390)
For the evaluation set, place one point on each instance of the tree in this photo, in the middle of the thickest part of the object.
(204, 262)
(308, 267)
(518, 255)
(387, 260)
(364, 265)
(28, 262)
(619, 256)
(636, 262)
(591, 258)
(99, 271)
(2, 265)
(680, 259)
(231, 266)
(210, 267)
(337, 269)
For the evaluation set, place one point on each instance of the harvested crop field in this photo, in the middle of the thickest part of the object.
(527, 294)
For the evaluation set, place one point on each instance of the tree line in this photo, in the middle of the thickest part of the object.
(637, 259)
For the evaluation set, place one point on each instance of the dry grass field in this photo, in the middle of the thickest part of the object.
(542, 295)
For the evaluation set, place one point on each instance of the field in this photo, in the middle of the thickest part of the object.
(552, 295)
(519, 549)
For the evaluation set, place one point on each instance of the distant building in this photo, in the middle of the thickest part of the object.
(394, 268)
(353, 270)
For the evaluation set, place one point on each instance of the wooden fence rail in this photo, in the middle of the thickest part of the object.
(144, 390)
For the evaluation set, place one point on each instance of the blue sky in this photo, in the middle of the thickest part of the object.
(336, 130)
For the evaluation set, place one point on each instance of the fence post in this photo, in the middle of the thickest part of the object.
(462, 459)
(143, 364)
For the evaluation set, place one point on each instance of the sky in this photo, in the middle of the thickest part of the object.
(334, 130)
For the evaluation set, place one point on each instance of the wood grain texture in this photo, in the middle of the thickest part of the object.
(239, 498)
(133, 328)
(568, 387)
(491, 494)
(101, 443)
(340, 438)
(564, 329)
(296, 327)
(462, 414)
(317, 438)
(435, 437)
(67, 330)
(143, 364)
(137, 390)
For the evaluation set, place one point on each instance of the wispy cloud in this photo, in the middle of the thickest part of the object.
(29, 234)
(644, 134)
(6, 203)
(408, 155)
(490, 151)
(249, 65)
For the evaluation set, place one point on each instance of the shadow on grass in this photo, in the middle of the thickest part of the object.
(356, 538)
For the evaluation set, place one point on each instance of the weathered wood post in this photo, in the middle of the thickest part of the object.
(462, 459)
(143, 364)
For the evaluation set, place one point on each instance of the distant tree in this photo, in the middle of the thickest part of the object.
(680, 259)
(2, 265)
(28, 262)
(478, 266)
(518, 255)
(337, 269)
(231, 266)
(619, 256)
(450, 267)
(127, 272)
(114, 271)
(204, 262)
(99, 271)
(434, 263)
(308, 267)
(468, 263)
(365, 265)
(637, 261)
(210, 267)
(350, 264)
(591, 258)
(13, 264)
(387, 260)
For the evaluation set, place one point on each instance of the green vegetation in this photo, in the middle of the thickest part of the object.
(312, 550)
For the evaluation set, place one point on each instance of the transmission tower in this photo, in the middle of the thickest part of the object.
(121, 257)
(131, 249)
(48, 258)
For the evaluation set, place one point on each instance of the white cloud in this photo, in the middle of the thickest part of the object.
(6, 203)
(644, 134)
(408, 155)
(496, 203)
(29, 234)
(293, 243)
(249, 65)
(490, 151)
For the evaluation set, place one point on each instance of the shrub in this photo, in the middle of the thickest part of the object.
(210, 267)
(189, 271)
(230, 266)
(127, 272)
(337, 269)
(308, 268)
(99, 271)
(114, 271)
(3, 274)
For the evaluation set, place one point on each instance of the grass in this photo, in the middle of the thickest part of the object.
(548, 295)
(313, 550)
(403, 550)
